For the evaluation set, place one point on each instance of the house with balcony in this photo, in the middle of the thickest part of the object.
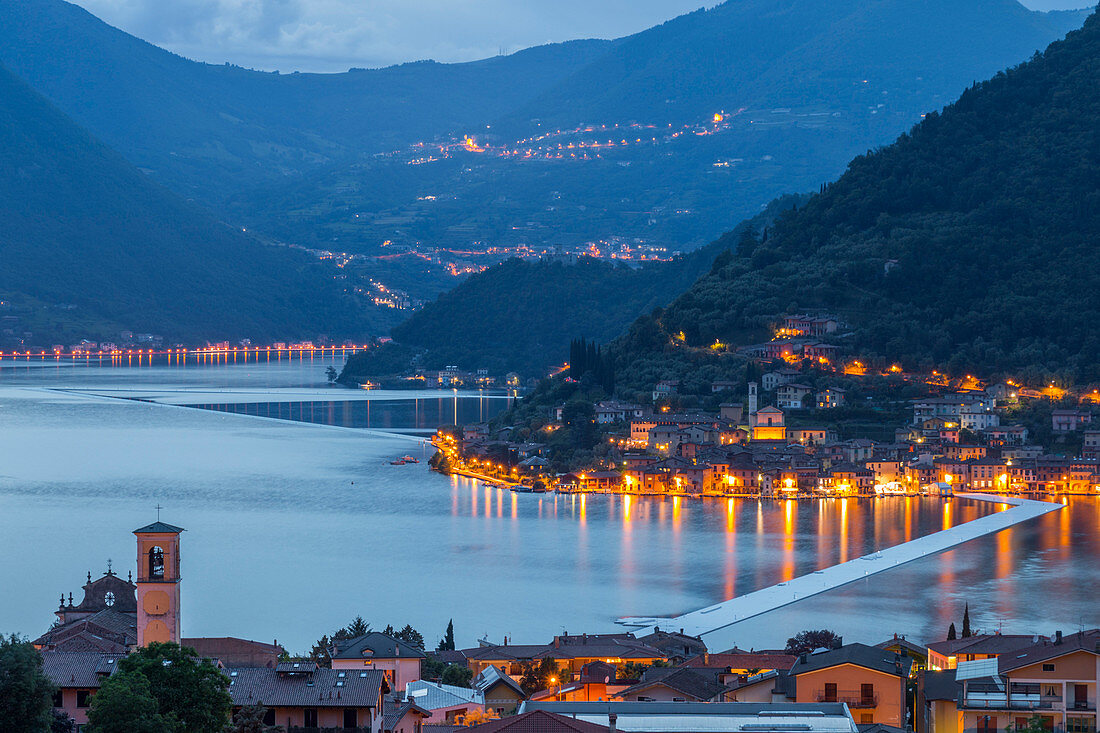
(871, 681)
(398, 661)
(792, 396)
(1054, 680)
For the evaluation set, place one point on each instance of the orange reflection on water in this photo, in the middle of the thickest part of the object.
(729, 568)
(788, 538)
(947, 516)
(843, 531)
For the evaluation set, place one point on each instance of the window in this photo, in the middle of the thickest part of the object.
(58, 702)
(351, 718)
(156, 562)
(867, 694)
(309, 717)
(830, 692)
(1048, 667)
(269, 716)
(83, 698)
(987, 724)
(865, 718)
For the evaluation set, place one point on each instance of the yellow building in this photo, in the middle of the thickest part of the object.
(768, 424)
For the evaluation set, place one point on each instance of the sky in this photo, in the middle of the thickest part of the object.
(334, 35)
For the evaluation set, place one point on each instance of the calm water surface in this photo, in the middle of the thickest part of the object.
(293, 529)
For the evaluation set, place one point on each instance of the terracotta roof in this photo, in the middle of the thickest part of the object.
(234, 652)
(107, 631)
(538, 721)
(744, 660)
(321, 688)
(1087, 641)
(78, 669)
(376, 645)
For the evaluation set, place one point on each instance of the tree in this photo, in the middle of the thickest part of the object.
(331, 373)
(542, 675)
(61, 722)
(447, 643)
(951, 633)
(805, 642)
(409, 635)
(1034, 725)
(26, 694)
(125, 704)
(457, 675)
(358, 627)
(966, 621)
(250, 719)
(477, 716)
(190, 694)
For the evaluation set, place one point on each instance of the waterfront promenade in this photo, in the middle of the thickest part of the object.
(713, 618)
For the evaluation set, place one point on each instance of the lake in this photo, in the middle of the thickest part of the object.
(296, 522)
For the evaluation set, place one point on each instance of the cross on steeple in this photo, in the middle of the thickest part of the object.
(158, 507)
(109, 566)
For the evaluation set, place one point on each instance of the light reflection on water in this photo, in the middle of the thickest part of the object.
(293, 530)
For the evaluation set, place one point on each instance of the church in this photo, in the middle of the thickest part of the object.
(83, 647)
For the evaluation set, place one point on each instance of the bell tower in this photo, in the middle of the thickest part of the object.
(158, 583)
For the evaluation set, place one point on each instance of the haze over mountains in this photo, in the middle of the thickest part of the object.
(323, 161)
(90, 246)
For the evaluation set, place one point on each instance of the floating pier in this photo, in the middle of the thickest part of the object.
(735, 610)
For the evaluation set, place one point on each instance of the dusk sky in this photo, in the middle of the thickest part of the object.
(333, 35)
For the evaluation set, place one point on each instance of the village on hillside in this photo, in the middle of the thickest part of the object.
(784, 434)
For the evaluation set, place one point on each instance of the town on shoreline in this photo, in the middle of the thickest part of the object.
(797, 425)
(118, 658)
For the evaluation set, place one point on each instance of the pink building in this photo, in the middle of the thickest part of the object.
(399, 661)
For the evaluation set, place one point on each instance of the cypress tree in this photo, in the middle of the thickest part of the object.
(966, 622)
(951, 634)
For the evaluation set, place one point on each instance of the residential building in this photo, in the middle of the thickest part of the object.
(399, 662)
(660, 717)
(673, 685)
(829, 398)
(771, 380)
(792, 396)
(302, 694)
(947, 654)
(871, 681)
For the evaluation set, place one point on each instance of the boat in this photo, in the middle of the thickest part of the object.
(409, 459)
(398, 462)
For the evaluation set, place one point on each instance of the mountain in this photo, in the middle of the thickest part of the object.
(194, 124)
(846, 54)
(627, 146)
(90, 246)
(968, 244)
(521, 315)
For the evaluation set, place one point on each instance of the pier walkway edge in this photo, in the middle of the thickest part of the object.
(735, 610)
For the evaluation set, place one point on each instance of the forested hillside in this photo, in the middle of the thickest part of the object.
(87, 239)
(970, 243)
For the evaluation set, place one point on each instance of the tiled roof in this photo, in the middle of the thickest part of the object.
(78, 669)
(491, 676)
(983, 644)
(108, 630)
(858, 654)
(322, 688)
(434, 696)
(1088, 641)
(395, 710)
(940, 685)
(506, 651)
(376, 645)
(743, 661)
(685, 681)
(904, 644)
(234, 652)
(159, 527)
(538, 721)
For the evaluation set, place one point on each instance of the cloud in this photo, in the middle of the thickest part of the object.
(331, 35)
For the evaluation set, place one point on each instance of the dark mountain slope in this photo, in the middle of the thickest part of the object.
(970, 243)
(187, 120)
(799, 53)
(521, 315)
(82, 227)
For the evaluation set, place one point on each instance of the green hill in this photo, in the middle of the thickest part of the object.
(89, 246)
(968, 244)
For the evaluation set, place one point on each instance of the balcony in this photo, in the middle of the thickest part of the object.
(854, 699)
